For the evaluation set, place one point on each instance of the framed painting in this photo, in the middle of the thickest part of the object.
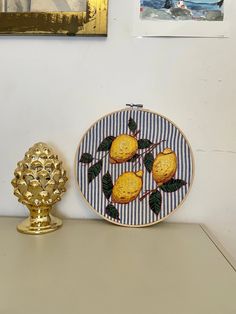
(182, 18)
(53, 17)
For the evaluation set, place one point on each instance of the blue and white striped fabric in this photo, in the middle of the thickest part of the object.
(153, 127)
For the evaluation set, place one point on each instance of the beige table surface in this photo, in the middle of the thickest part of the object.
(96, 267)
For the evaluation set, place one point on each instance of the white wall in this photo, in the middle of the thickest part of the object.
(52, 89)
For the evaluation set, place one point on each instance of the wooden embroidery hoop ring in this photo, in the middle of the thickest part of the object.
(113, 221)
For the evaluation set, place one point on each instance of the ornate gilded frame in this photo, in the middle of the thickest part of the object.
(93, 22)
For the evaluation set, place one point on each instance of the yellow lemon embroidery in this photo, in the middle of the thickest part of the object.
(164, 166)
(127, 187)
(123, 148)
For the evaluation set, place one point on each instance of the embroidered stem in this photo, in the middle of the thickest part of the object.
(146, 194)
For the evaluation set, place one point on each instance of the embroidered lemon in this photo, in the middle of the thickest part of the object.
(164, 166)
(127, 187)
(123, 148)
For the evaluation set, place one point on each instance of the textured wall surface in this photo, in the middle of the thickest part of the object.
(53, 89)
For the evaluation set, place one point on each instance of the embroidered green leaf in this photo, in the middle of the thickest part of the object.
(155, 202)
(94, 171)
(135, 157)
(86, 158)
(112, 212)
(107, 185)
(148, 161)
(105, 145)
(172, 185)
(132, 125)
(144, 143)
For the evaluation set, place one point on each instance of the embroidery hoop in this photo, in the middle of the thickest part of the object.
(131, 108)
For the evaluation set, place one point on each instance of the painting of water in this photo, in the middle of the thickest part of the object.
(196, 10)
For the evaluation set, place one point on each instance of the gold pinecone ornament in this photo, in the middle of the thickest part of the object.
(39, 183)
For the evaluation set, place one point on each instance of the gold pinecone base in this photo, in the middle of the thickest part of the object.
(31, 226)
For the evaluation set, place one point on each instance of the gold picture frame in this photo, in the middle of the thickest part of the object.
(92, 21)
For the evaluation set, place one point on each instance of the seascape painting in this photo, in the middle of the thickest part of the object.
(179, 10)
(53, 17)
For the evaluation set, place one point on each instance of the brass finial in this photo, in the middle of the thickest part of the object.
(39, 183)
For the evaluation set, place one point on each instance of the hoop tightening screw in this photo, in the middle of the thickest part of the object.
(134, 105)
